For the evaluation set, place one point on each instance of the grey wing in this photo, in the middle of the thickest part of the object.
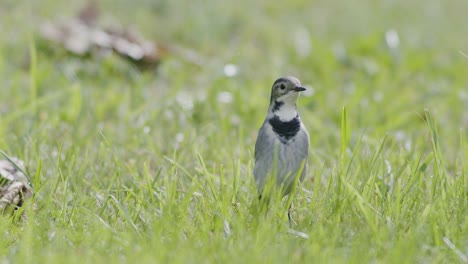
(303, 141)
(264, 149)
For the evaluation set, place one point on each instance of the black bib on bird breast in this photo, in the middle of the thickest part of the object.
(285, 129)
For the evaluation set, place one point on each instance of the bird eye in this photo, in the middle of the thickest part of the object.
(282, 87)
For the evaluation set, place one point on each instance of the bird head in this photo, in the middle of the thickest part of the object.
(286, 90)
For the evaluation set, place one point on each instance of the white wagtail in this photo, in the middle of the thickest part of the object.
(282, 140)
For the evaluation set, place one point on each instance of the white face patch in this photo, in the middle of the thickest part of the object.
(289, 98)
(287, 111)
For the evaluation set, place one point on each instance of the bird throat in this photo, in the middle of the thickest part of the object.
(284, 111)
(285, 120)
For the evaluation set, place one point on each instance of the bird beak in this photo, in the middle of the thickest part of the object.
(299, 89)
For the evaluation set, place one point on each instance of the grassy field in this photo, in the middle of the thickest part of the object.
(154, 165)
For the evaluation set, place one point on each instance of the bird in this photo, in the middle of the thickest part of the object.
(282, 145)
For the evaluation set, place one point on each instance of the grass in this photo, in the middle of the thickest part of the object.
(134, 165)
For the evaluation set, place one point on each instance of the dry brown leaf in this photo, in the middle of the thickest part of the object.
(81, 36)
(90, 13)
(15, 188)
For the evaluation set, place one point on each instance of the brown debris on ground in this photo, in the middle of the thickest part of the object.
(82, 36)
(15, 188)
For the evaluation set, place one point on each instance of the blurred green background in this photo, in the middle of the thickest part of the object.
(341, 50)
(100, 128)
